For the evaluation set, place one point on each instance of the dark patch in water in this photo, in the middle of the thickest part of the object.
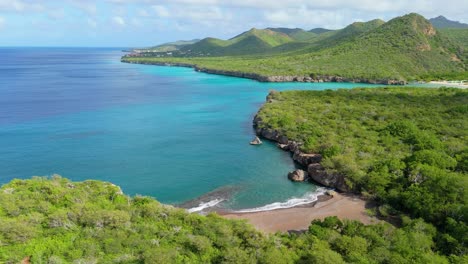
(77, 135)
(222, 193)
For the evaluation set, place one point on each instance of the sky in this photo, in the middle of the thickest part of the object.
(142, 23)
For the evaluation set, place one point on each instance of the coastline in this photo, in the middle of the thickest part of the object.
(263, 78)
(451, 84)
(344, 206)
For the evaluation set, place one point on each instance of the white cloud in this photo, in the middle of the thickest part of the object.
(196, 14)
(89, 7)
(119, 21)
(306, 18)
(20, 6)
(455, 9)
(217, 18)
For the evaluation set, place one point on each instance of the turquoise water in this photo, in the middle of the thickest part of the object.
(168, 132)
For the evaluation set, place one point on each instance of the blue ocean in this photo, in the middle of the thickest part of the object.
(168, 132)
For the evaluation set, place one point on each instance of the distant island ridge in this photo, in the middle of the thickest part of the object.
(404, 49)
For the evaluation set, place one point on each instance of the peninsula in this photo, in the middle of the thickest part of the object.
(407, 48)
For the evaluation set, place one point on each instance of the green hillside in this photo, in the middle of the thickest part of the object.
(297, 34)
(319, 30)
(270, 37)
(58, 221)
(351, 31)
(405, 48)
(457, 34)
(250, 42)
(171, 46)
(405, 147)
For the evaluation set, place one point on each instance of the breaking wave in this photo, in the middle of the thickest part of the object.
(293, 202)
(203, 206)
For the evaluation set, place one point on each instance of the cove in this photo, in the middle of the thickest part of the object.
(168, 132)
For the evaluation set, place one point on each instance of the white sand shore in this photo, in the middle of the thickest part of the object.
(299, 218)
(463, 85)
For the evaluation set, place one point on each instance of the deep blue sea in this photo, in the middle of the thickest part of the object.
(167, 132)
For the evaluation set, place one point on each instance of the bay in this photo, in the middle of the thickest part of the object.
(167, 132)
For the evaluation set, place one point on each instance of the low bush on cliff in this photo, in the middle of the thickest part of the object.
(406, 147)
(58, 221)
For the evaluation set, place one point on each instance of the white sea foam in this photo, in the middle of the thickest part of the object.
(203, 206)
(306, 199)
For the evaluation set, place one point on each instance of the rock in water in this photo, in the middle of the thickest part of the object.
(256, 141)
(298, 176)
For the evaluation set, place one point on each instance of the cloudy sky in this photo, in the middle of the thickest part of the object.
(137, 23)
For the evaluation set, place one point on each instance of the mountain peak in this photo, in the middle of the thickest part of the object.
(443, 22)
(416, 22)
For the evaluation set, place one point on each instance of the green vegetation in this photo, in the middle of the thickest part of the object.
(460, 37)
(171, 46)
(58, 221)
(295, 33)
(404, 48)
(457, 34)
(405, 147)
(319, 30)
(252, 41)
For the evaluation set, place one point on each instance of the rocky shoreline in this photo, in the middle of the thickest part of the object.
(311, 161)
(262, 78)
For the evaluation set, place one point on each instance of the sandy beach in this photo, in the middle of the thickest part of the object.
(451, 84)
(298, 218)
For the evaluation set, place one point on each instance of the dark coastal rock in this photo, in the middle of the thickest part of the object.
(311, 161)
(284, 147)
(269, 134)
(306, 159)
(319, 174)
(256, 141)
(293, 146)
(282, 139)
(257, 120)
(298, 176)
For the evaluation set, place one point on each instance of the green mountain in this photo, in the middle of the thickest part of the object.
(402, 49)
(332, 38)
(320, 30)
(443, 22)
(249, 42)
(297, 34)
(171, 46)
(270, 37)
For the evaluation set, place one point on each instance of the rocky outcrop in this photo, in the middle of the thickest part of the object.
(262, 78)
(311, 161)
(305, 159)
(318, 173)
(256, 141)
(298, 176)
